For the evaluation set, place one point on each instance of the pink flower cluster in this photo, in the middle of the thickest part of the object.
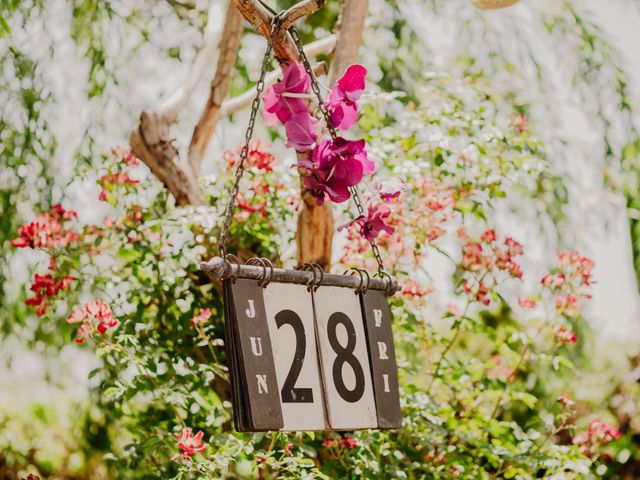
(570, 282)
(201, 318)
(565, 335)
(258, 157)
(482, 259)
(50, 230)
(597, 434)
(189, 443)
(329, 168)
(94, 317)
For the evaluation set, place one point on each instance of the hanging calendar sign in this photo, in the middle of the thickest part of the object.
(308, 351)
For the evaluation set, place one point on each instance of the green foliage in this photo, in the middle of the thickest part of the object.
(479, 382)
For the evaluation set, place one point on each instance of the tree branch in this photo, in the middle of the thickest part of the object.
(351, 28)
(258, 16)
(172, 106)
(299, 10)
(229, 46)
(151, 140)
(151, 143)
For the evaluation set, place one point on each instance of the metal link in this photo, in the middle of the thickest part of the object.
(255, 106)
(332, 131)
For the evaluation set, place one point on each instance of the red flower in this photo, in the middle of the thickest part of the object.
(45, 287)
(413, 289)
(94, 316)
(565, 335)
(598, 433)
(565, 400)
(126, 156)
(48, 230)
(349, 442)
(527, 302)
(190, 443)
(102, 313)
(567, 304)
(202, 317)
(287, 449)
(488, 236)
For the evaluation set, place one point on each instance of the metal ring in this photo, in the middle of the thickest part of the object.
(255, 261)
(366, 287)
(308, 267)
(231, 258)
(388, 289)
(267, 279)
(359, 287)
(315, 267)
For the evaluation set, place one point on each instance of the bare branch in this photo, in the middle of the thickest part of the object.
(299, 10)
(229, 46)
(353, 16)
(172, 106)
(258, 16)
(151, 142)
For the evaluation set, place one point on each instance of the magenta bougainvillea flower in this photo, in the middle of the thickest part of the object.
(342, 106)
(301, 131)
(333, 167)
(374, 222)
(278, 105)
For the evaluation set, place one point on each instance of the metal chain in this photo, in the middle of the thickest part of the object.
(255, 106)
(332, 131)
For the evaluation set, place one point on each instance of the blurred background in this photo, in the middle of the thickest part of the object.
(76, 74)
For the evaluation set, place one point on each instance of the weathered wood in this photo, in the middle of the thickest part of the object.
(218, 269)
(314, 234)
(382, 354)
(151, 142)
(229, 46)
(299, 10)
(350, 30)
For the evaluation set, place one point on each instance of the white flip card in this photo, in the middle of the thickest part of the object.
(344, 359)
(290, 319)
